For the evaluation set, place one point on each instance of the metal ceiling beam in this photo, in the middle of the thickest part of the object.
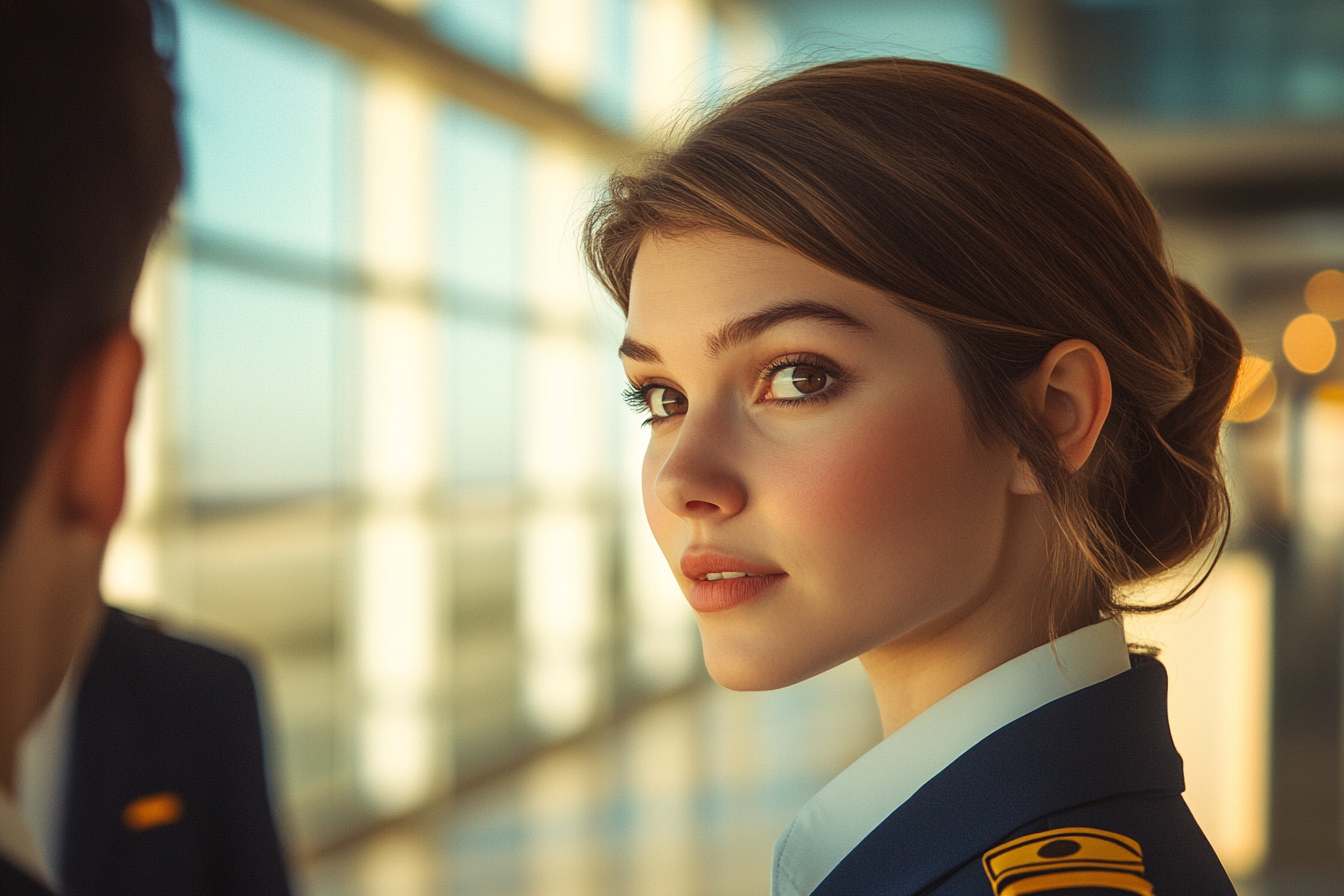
(1198, 152)
(381, 37)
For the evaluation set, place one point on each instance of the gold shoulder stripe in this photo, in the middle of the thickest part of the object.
(1065, 858)
(153, 811)
(1067, 880)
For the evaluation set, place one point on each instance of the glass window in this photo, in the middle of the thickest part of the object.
(478, 239)
(375, 300)
(491, 30)
(481, 372)
(257, 388)
(966, 32)
(609, 91)
(1179, 61)
(262, 123)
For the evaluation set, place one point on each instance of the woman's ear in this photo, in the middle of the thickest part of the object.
(1070, 395)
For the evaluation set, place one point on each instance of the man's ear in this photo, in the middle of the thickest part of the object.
(95, 416)
(1070, 395)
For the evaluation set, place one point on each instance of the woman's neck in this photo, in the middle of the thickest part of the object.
(1006, 620)
(914, 672)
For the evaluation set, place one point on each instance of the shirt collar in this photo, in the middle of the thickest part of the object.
(43, 769)
(16, 843)
(846, 810)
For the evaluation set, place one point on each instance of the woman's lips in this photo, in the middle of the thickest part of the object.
(723, 594)
(708, 596)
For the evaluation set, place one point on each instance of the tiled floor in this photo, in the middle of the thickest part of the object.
(685, 798)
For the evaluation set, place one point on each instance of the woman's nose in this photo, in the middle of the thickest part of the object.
(699, 477)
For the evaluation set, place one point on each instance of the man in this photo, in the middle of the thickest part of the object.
(166, 790)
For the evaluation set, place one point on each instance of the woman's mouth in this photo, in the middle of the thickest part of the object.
(729, 590)
(720, 582)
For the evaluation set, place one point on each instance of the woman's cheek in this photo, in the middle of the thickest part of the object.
(899, 500)
(880, 469)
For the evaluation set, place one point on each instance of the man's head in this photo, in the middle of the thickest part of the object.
(88, 166)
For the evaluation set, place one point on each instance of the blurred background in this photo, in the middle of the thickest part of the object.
(380, 444)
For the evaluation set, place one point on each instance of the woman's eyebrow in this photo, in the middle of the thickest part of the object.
(639, 351)
(746, 328)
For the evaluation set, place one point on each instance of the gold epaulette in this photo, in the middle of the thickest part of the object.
(1067, 858)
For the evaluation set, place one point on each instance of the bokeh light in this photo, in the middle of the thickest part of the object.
(1325, 294)
(1309, 343)
(1254, 393)
(1330, 393)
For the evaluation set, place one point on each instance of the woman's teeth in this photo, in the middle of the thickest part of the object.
(715, 576)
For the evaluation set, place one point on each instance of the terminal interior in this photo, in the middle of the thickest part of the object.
(380, 446)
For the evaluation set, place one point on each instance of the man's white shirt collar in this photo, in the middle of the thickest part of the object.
(16, 843)
(43, 770)
(30, 822)
(847, 810)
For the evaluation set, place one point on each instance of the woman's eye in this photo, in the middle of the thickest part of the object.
(665, 402)
(798, 381)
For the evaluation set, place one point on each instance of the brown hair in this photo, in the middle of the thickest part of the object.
(992, 214)
(88, 165)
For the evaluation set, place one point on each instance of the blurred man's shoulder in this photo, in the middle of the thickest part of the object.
(139, 651)
(14, 882)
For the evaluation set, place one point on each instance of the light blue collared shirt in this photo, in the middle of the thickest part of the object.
(847, 810)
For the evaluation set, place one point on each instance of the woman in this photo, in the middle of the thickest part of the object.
(923, 390)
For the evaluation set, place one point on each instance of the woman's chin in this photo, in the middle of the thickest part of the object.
(737, 672)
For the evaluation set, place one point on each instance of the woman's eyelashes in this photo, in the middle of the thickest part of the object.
(657, 400)
(787, 381)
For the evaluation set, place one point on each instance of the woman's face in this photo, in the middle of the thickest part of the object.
(809, 433)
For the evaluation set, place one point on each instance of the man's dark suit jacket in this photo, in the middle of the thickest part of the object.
(14, 882)
(1082, 796)
(167, 784)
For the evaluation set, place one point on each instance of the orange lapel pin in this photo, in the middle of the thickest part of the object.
(153, 811)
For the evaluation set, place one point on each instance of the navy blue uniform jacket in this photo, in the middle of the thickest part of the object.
(167, 784)
(14, 882)
(1082, 796)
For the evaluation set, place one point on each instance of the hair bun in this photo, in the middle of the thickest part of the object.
(1177, 500)
(1213, 373)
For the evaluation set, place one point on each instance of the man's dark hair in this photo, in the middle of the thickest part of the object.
(88, 166)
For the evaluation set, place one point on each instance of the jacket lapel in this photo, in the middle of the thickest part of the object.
(104, 744)
(1108, 739)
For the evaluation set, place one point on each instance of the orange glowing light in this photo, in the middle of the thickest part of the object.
(1309, 343)
(1254, 393)
(1325, 294)
(1330, 393)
